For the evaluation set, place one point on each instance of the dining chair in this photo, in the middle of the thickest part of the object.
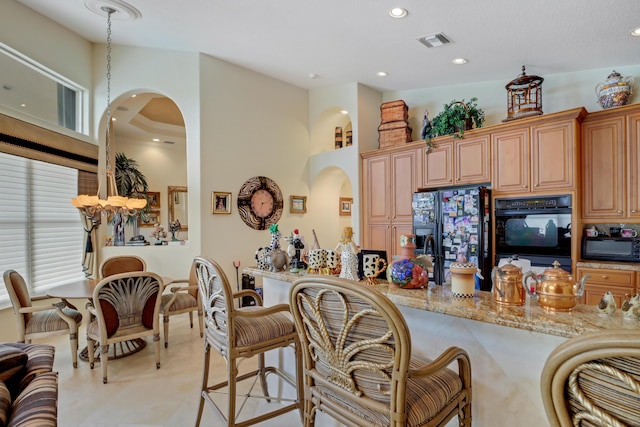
(238, 333)
(126, 307)
(358, 367)
(41, 321)
(181, 299)
(594, 380)
(121, 264)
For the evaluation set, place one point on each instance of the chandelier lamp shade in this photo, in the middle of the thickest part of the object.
(92, 206)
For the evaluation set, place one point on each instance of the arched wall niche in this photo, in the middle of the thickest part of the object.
(330, 184)
(324, 128)
(148, 127)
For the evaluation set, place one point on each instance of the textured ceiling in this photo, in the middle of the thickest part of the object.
(349, 41)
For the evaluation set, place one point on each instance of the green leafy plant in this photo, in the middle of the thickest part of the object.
(130, 182)
(454, 119)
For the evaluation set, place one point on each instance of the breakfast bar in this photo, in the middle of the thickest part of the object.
(508, 345)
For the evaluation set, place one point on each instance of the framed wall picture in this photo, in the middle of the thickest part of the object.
(220, 202)
(345, 206)
(153, 199)
(298, 204)
(149, 219)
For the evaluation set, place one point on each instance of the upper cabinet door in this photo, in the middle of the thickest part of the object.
(552, 156)
(510, 160)
(404, 182)
(437, 169)
(472, 161)
(633, 165)
(376, 189)
(603, 177)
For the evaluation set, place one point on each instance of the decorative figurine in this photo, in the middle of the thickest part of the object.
(174, 227)
(272, 258)
(631, 308)
(426, 126)
(348, 255)
(295, 252)
(607, 305)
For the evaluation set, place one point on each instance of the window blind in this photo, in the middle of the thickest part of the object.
(40, 231)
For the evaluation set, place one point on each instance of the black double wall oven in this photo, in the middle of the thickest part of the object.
(535, 228)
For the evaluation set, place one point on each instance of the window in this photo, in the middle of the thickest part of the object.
(40, 231)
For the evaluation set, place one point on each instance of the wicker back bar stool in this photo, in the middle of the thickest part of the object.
(240, 333)
(357, 361)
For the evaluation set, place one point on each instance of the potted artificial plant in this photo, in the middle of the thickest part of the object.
(454, 119)
(131, 183)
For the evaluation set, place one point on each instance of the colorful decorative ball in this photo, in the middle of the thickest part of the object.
(409, 273)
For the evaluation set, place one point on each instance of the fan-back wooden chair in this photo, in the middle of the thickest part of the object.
(594, 380)
(121, 264)
(181, 299)
(239, 333)
(358, 367)
(126, 307)
(41, 321)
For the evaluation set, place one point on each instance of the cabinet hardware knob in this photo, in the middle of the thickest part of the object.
(604, 276)
(633, 211)
(619, 212)
(535, 185)
(449, 180)
(524, 186)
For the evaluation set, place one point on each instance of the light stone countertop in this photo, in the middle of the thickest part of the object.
(482, 308)
(626, 266)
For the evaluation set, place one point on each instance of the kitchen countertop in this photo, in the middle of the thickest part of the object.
(438, 299)
(626, 266)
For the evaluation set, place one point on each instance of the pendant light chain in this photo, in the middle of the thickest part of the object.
(109, 11)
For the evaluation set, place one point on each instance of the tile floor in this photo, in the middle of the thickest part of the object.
(137, 394)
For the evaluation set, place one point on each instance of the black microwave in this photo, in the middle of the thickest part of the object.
(611, 248)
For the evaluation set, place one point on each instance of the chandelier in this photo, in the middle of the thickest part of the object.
(92, 206)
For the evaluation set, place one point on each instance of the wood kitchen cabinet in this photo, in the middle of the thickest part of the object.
(389, 181)
(536, 158)
(457, 162)
(602, 280)
(611, 165)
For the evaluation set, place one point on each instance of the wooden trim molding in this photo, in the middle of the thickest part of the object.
(24, 139)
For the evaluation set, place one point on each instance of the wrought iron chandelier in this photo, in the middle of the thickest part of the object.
(92, 205)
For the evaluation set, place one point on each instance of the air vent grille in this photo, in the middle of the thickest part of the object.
(434, 40)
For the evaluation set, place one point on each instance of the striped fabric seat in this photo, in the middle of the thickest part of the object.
(39, 360)
(37, 405)
(357, 362)
(49, 321)
(238, 333)
(182, 299)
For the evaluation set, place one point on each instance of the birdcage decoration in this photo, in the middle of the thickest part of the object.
(524, 96)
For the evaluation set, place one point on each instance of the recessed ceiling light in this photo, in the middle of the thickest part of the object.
(156, 139)
(134, 95)
(382, 74)
(398, 12)
(345, 112)
(636, 32)
(313, 76)
(459, 61)
(23, 105)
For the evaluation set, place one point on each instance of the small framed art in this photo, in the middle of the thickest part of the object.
(345, 206)
(220, 202)
(298, 204)
(153, 199)
(149, 219)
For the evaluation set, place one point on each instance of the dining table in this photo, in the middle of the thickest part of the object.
(83, 289)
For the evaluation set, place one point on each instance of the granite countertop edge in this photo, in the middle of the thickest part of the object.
(530, 317)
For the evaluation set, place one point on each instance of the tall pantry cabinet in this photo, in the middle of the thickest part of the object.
(390, 177)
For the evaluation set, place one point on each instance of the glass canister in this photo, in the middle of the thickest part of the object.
(615, 91)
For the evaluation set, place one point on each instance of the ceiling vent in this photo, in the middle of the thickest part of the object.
(170, 142)
(434, 40)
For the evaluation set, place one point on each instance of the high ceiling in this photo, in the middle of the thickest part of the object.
(345, 41)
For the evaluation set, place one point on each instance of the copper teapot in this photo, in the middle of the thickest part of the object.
(507, 284)
(555, 289)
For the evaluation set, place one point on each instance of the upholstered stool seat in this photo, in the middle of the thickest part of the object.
(180, 300)
(51, 321)
(243, 332)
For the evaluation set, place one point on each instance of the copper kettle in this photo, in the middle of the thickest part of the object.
(507, 284)
(555, 289)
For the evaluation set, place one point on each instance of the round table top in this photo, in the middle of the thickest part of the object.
(83, 289)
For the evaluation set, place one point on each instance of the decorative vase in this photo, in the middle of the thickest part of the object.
(409, 271)
(277, 260)
(615, 91)
(118, 230)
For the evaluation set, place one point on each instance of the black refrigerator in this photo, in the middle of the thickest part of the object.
(452, 225)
